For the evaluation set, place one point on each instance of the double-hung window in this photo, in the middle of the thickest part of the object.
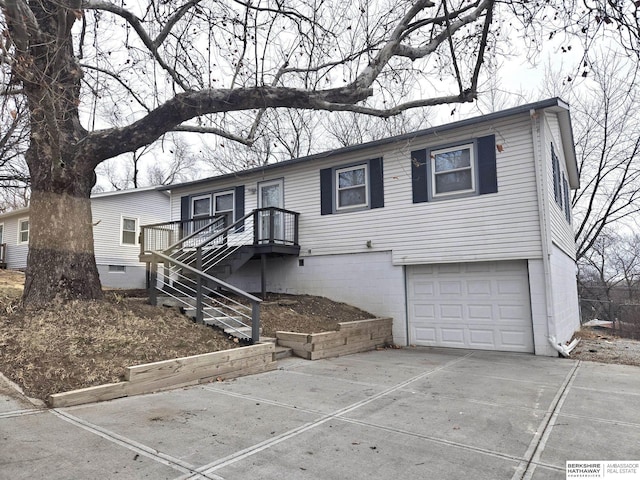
(452, 170)
(129, 231)
(201, 207)
(23, 231)
(352, 188)
(223, 206)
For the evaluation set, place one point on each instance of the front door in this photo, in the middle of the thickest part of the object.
(271, 195)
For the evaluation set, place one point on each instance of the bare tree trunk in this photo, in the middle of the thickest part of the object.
(61, 263)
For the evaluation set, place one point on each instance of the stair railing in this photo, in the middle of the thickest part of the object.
(186, 261)
(191, 288)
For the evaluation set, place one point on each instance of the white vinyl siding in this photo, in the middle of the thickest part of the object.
(561, 229)
(109, 210)
(504, 225)
(16, 253)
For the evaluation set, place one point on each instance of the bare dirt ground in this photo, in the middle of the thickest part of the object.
(598, 345)
(85, 343)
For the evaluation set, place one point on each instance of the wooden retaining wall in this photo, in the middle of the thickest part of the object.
(179, 372)
(351, 337)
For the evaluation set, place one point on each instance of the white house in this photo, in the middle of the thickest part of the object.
(462, 233)
(117, 217)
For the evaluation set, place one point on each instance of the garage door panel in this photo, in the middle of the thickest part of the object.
(423, 287)
(479, 287)
(453, 336)
(450, 288)
(425, 312)
(480, 312)
(510, 286)
(451, 312)
(445, 268)
(513, 312)
(482, 306)
(515, 338)
(425, 336)
(482, 338)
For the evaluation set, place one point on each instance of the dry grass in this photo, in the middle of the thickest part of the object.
(85, 343)
(80, 344)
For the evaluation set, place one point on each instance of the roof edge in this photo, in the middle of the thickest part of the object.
(543, 104)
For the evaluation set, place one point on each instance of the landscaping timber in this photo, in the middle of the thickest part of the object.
(351, 337)
(179, 372)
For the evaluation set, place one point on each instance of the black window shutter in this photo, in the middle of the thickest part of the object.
(567, 205)
(239, 206)
(184, 214)
(487, 171)
(419, 176)
(326, 192)
(377, 183)
(555, 165)
(184, 207)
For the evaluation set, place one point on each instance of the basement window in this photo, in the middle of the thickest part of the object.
(117, 269)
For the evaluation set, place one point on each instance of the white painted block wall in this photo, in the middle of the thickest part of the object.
(565, 295)
(367, 280)
(134, 277)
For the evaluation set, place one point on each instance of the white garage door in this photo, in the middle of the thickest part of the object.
(470, 305)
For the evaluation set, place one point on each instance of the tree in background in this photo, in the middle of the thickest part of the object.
(158, 67)
(100, 79)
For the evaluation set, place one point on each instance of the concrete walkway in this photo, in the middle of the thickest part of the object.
(393, 414)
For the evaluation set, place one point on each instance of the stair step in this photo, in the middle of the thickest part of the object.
(208, 313)
(175, 302)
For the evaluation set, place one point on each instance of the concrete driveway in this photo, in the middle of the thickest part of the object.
(411, 413)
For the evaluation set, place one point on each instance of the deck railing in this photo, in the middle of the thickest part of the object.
(160, 236)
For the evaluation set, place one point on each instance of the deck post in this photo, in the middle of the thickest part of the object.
(153, 281)
(263, 274)
(199, 309)
(255, 322)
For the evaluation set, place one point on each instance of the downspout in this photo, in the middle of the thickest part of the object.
(545, 226)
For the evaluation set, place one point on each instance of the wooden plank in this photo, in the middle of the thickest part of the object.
(294, 345)
(166, 379)
(267, 367)
(361, 338)
(324, 336)
(292, 336)
(98, 393)
(364, 323)
(324, 345)
(195, 363)
(224, 370)
(343, 350)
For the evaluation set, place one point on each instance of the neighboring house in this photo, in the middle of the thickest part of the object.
(117, 217)
(462, 233)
